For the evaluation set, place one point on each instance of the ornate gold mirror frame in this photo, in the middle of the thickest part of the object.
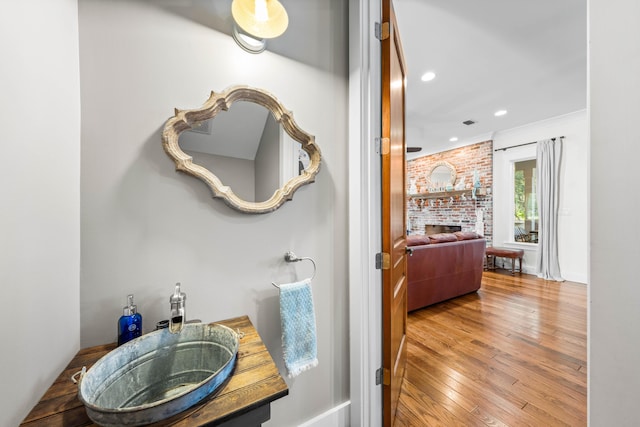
(186, 119)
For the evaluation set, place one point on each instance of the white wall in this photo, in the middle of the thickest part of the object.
(365, 239)
(145, 227)
(614, 341)
(572, 217)
(39, 199)
(233, 171)
(267, 178)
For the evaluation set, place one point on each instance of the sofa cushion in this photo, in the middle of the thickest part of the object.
(466, 235)
(443, 237)
(417, 240)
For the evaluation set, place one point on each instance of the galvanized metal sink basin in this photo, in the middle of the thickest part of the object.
(158, 375)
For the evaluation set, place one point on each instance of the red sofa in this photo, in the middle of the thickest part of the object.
(443, 266)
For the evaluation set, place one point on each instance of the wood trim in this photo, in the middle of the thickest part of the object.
(394, 283)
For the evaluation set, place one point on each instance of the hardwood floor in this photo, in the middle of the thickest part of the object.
(512, 354)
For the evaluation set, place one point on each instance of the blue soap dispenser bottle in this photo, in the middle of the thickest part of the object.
(130, 323)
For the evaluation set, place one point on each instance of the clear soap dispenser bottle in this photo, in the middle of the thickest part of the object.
(130, 323)
(177, 318)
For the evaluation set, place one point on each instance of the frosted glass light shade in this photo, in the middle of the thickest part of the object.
(264, 19)
(248, 42)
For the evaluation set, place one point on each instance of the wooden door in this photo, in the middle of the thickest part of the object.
(394, 274)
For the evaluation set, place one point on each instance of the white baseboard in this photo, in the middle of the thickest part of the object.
(569, 276)
(574, 277)
(530, 269)
(337, 416)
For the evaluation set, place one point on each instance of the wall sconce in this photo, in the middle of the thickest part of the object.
(257, 20)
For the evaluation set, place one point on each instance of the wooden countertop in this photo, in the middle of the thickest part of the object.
(255, 382)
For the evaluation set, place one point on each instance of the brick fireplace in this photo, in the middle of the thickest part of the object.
(441, 228)
(456, 207)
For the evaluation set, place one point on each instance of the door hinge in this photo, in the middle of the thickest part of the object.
(382, 146)
(383, 261)
(382, 31)
(383, 377)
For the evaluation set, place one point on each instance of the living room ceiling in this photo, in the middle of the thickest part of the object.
(526, 57)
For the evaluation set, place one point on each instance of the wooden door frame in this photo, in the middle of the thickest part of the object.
(394, 278)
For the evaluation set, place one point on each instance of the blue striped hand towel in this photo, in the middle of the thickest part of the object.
(298, 320)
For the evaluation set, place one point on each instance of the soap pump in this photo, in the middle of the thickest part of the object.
(130, 323)
(177, 318)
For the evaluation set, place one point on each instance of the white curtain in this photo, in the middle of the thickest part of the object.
(548, 174)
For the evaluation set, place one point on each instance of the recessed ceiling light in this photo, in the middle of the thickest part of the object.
(500, 113)
(428, 76)
(453, 139)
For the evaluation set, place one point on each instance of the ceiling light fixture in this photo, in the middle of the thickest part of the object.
(257, 20)
(248, 42)
(428, 76)
(453, 139)
(500, 113)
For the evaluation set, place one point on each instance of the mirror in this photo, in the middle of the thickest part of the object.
(442, 176)
(245, 146)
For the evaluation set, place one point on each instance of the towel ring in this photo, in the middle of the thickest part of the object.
(291, 257)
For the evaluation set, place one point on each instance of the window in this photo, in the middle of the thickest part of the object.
(525, 225)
